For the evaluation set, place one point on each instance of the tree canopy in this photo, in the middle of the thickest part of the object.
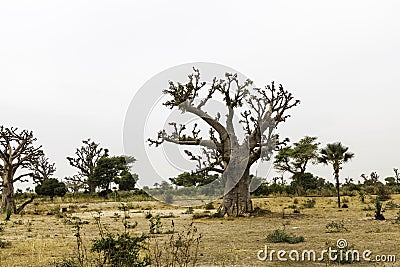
(51, 187)
(335, 154)
(113, 169)
(260, 111)
(294, 159)
(85, 161)
(187, 179)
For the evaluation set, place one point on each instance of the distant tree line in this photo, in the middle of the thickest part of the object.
(294, 160)
(22, 159)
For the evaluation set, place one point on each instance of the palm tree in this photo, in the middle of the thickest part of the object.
(335, 154)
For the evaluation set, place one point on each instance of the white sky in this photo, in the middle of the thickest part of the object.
(69, 69)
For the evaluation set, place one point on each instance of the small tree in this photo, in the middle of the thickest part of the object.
(335, 154)
(109, 169)
(17, 152)
(295, 159)
(85, 161)
(42, 170)
(51, 187)
(126, 181)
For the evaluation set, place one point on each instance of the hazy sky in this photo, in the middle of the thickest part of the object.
(69, 69)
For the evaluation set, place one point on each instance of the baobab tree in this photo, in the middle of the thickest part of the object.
(85, 161)
(260, 111)
(335, 154)
(42, 170)
(17, 152)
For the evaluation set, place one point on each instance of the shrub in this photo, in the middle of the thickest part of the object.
(280, 236)
(180, 249)
(4, 244)
(390, 205)
(368, 208)
(201, 215)
(309, 203)
(155, 225)
(382, 192)
(336, 227)
(209, 206)
(121, 249)
(51, 187)
(189, 210)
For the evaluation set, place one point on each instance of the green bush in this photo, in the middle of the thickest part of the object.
(4, 244)
(280, 236)
(155, 225)
(336, 227)
(309, 203)
(51, 187)
(121, 249)
(382, 193)
(189, 210)
(209, 206)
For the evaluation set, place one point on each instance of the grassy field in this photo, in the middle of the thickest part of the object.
(42, 235)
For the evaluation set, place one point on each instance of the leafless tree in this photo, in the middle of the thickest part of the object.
(397, 175)
(42, 170)
(75, 183)
(17, 152)
(224, 153)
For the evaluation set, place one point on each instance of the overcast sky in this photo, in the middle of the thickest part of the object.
(69, 69)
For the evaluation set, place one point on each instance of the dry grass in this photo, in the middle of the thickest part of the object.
(38, 239)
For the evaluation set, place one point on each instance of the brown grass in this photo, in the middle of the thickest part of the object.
(38, 239)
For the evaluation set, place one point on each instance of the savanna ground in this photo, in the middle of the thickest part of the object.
(42, 235)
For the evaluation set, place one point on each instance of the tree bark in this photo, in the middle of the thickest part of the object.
(337, 186)
(237, 200)
(92, 187)
(8, 198)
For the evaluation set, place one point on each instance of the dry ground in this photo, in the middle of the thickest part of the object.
(38, 239)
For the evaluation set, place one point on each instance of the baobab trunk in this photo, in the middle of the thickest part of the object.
(8, 198)
(237, 200)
